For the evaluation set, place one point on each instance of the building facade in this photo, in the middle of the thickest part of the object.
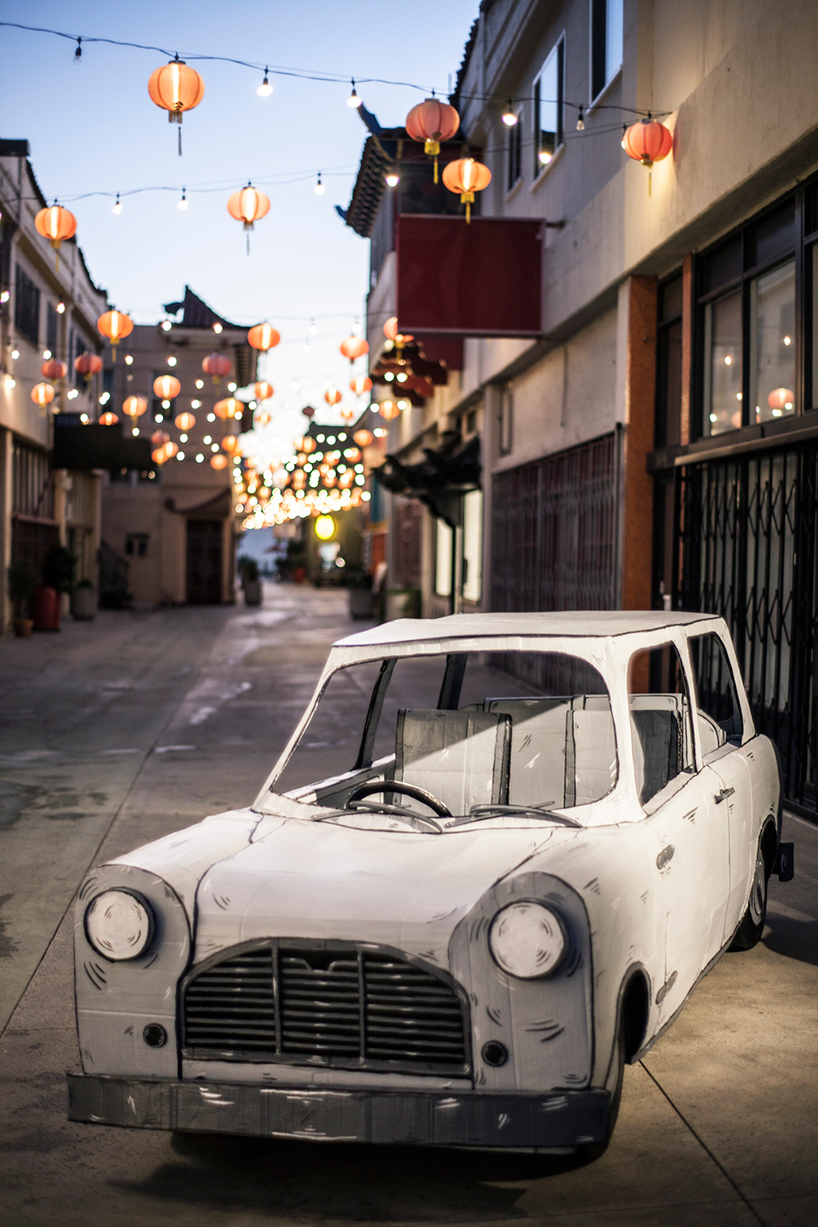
(653, 443)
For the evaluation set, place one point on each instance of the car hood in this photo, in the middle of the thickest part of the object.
(321, 881)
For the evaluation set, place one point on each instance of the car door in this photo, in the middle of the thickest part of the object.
(692, 863)
(726, 766)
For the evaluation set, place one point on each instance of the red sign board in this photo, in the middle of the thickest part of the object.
(481, 279)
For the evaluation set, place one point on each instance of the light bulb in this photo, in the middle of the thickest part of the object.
(60, 306)
(508, 116)
(392, 177)
(171, 361)
(265, 89)
(217, 328)
(46, 354)
(319, 187)
(199, 383)
(544, 157)
(353, 100)
(129, 359)
(15, 353)
(313, 327)
(183, 202)
(166, 325)
(580, 121)
(117, 205)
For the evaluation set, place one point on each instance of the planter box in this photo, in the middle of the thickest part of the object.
(252, 592)
(84, 604)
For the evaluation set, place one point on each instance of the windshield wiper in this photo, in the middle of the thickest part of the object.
(478, 812)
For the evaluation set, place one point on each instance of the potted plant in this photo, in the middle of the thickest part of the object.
(22, 582)
(250, 582)
(359, 583)
(84, 601)
(58, 576)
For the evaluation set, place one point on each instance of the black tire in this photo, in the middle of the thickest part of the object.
(749, 931)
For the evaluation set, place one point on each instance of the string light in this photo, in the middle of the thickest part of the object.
(117, 205)
(580, 121)
(183, 202)
(319, 187)
(392, 177)
(78, 52)
(509, 118)
(353, 100)
(265, 89)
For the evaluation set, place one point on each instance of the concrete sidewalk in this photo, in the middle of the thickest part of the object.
(118, 731)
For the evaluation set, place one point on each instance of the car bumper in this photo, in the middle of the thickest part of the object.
(518, 1121)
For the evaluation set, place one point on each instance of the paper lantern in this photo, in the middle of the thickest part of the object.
(166, 387)
(263, 390)
(228, 408)
(230, 444)
(159, 438)
(647, 141)
(88, 365)
(108, 418)
(135, 406)
(363, 437)
(54, 369)
(56, 224)
(307, 444)
(176, 88)
(263, 419)
(218, 461)
(170, 449)
(361, 384)
(347, 414)
(263, 337)
(780, 399)
(184, 421)
(432, 121)
(42, 394)
(388, 409)
(332, 396)
(354, 347)
(466, 177)
(115, 325)
(158, 455)
(216, 365)
(248, 206)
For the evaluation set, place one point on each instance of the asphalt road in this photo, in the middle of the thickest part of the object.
(115, 732)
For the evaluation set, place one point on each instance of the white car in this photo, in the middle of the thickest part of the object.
(531, 836)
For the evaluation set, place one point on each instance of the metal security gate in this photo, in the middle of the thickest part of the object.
(554, 531)
(748, 540)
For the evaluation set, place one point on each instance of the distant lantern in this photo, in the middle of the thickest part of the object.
(309, 412)
(42, 394)
(263, 419)
(108, 418)
(308, 444)
(263, 390)
(248, 205)
(432, 121)
(170, 449)
(361, 384)
(184, 421)
(332, 396)
(159, 438)
(166, 387)
(779, 400)
(647, 141)
(134, 406)
(347, 414)
(54, 369)
(388, 409)
(176, 88)
(354, 347)
(218, 461)
(229, 408)
(216, 365)
(115, 325)
(56, 224)
(263, 337)
(466, 177)
(363, 437)
(325, 528)
(158, 455)
(230, 444)
(88, 365)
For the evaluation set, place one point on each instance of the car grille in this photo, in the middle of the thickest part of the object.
(338, 1005)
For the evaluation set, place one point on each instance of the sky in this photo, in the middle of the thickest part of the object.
(92, 128)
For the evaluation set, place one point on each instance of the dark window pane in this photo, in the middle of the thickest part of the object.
(670, 299)
(669, 386)
(26, 306)
(772, 336)
(720, 716)
(51, 328)
(723, 399)
(723, 264)
(773, 236)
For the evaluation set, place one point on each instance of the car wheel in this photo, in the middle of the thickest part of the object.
(752, 922)
(594, 1150)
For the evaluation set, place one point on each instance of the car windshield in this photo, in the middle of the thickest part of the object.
(482, 733)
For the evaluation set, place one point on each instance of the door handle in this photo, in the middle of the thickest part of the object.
(723, 795)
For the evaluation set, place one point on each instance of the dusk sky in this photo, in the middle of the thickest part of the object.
(93, 132)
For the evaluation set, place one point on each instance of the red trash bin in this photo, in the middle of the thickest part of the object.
(45, 608)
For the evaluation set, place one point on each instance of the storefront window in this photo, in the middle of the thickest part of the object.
(723, 344)
(772, 332)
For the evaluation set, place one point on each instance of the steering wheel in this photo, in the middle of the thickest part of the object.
(406, 790)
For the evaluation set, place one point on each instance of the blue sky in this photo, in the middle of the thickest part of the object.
(93, 128)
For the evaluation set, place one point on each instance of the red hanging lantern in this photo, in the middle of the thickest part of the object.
(228, 408)
(354, 347)
(54, 369)
(56, 224)
(216, 365)
(248, 205)
(332, 396)
(230, 444)
(88, 365)
(108, 418)
(466, 177)
(363, 437)
(42, 394)
(170, 449)
(184, 421)
(166, 387)
(263, 337)
(432, 121)
(780, 400)
(647, 141)
(135, 406)
(263, 390)
(388, 409)
(115, 325)
(159, 438)
(218, 461)
(176, 88)
(361, 384)
(347, 414)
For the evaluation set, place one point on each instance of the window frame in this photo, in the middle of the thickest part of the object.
(558, 50)
(27, 305)
(514, 151)
(598, 35)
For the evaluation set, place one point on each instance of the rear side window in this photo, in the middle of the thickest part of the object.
(720, 718)
(660, 719)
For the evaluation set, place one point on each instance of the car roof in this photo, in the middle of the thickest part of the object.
(594, 623)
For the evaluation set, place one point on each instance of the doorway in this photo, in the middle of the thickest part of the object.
(204, 562)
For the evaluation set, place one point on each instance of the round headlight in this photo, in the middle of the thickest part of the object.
(527, 940)
(119, 924)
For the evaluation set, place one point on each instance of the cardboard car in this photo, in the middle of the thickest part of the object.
(487, 871)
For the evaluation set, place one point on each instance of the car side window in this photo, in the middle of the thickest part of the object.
(660, 719)
(719, 715)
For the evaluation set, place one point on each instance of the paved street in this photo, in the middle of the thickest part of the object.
(115, 732)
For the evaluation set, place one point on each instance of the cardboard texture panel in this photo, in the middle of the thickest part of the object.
(483, 279)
